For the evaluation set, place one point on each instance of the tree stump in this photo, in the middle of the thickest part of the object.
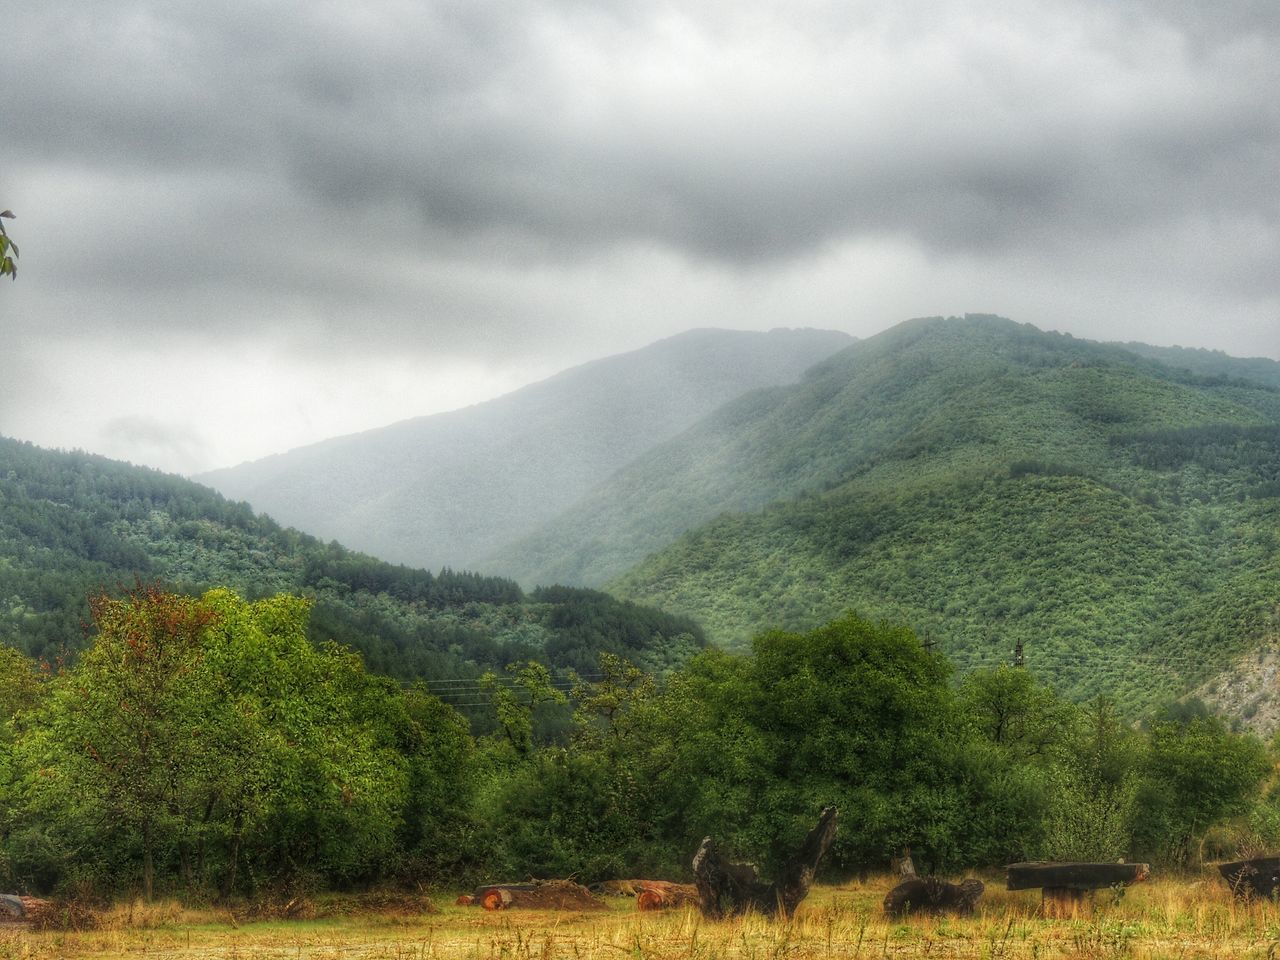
(726, 888)
(1256, 878)
(933, 896)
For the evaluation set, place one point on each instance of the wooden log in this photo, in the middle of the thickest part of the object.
(933, 896)
(540, 895)
(726, 888)
(663, 895)
(497, 898)
(1258, 877)
(1073, 876)
(477, 895)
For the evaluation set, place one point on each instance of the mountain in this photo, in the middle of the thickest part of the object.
(455, 488)
(1212, 363)
(72, 524)
(987, 482)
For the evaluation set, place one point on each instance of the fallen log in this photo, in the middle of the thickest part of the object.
(726, 888)
(1066, 889)
(1258, 877)
(933, 896)
(1073, 876)
(662, 895)
(540, 895)
(21, 908)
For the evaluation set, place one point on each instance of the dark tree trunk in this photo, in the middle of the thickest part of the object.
(729, 889)
(148, 865)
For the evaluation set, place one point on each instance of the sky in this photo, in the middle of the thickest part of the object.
(247, 226)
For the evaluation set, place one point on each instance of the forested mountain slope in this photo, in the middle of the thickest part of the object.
(73, 523)
(945, 395)
(1213, 363)
(987, 483)
(454, 488)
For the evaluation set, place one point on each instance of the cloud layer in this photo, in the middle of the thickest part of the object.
(470, 185)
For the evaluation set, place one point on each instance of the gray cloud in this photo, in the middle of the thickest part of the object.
(475, 179)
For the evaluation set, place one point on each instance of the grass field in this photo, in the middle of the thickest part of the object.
(1162, 919)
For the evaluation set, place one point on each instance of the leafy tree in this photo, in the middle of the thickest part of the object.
(854, 713)
(1087, 819)
(1012, 710)
(1197, 773)
(130, 733)
(515, 702)
(207, 743)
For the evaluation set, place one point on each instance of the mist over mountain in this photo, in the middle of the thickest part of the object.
(455, 488)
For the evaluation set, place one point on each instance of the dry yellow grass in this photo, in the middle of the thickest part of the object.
(1164, 919)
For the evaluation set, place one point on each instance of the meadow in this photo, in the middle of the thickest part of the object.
(1185, 917)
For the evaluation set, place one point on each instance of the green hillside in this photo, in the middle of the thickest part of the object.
(990, 484)
(924, 400)
(72, 524)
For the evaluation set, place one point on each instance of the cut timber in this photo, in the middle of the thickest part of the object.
(933, 896)
(1067, 888)
(1073, 876)
(1258, 877)
(662, 895)
(20, 909)
(730, 889)
(540, 895)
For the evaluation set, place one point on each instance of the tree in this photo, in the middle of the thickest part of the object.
(207, 743)
(7, 266)
(1197, 774)
(855, 713)
(131, 732)
(1012, 710)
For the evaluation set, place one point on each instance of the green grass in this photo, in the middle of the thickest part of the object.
(1169, 918)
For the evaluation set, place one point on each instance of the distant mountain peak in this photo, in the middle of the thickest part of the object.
(451, 488)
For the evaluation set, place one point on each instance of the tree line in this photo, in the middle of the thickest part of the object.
(204, 746)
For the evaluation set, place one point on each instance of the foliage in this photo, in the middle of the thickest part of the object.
(206, 742)
(990, 484)
(73, 523)
(1197, 773)
(1088, 820)
(7, 266)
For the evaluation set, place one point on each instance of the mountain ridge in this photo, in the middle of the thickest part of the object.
(995, 484)
(453, 487)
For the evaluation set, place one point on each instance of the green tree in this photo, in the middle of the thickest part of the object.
(130, 735)
(206, 743)
(1011, 709)
(854, 713)
(1196, 774)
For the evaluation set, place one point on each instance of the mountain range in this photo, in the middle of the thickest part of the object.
(1113, 516)
(73, 524)
(454, 489)
(1107, 514)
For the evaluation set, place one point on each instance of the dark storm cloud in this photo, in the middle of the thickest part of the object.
(418, 172)
(573, 124)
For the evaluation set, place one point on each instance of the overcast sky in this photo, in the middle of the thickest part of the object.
(249, 225)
